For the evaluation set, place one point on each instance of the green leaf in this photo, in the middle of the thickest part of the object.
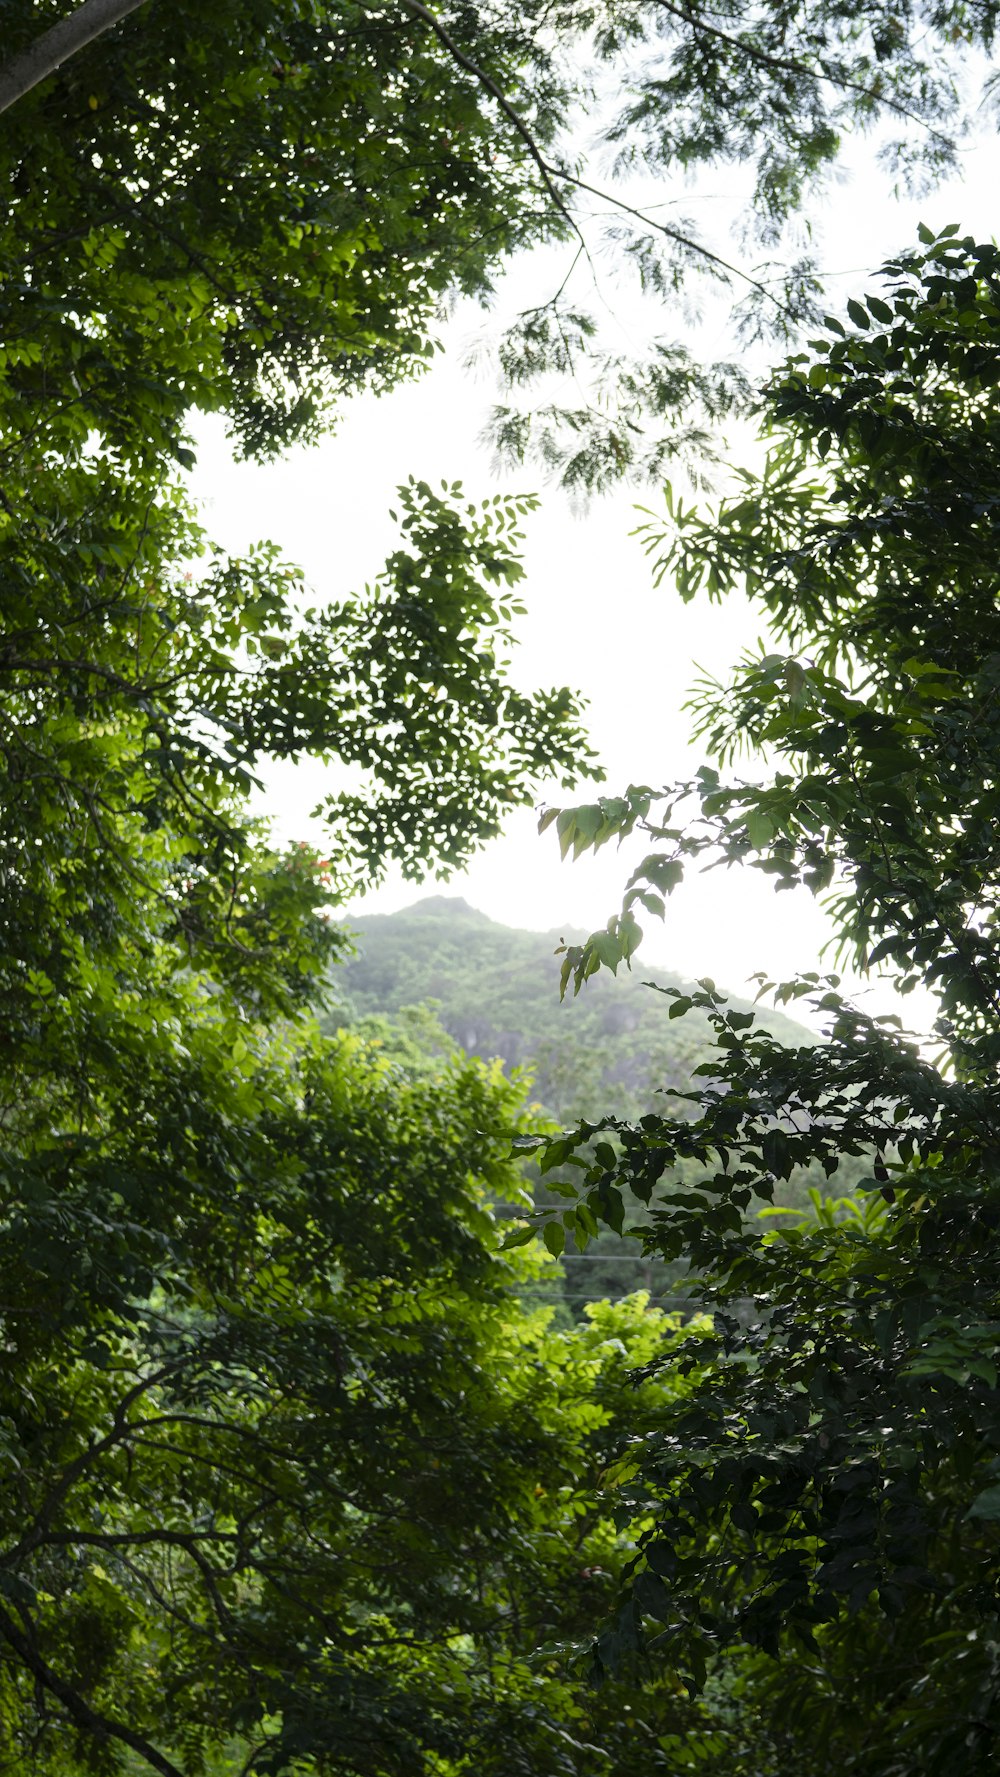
(986, 1504)
(881, 310)
(663, 872)
(517, 1237)
(760, 828)
(554, 1236)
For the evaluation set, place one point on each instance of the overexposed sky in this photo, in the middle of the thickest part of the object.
(594, 620)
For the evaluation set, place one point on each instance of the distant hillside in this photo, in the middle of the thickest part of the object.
(496, 990)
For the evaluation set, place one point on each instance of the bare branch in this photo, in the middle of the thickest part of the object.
(56, 45)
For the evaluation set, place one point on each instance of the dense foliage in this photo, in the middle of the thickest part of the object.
(829, 1492)
(248, 209)
(258, 208)
(245, 1275)
(292, 1482)
(416, 987)
(314, 1500)
(217, 1227)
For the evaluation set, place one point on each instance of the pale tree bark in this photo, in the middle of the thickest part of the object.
(56, 45)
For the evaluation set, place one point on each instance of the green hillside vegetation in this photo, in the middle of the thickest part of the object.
(441, 977)
(495, 991)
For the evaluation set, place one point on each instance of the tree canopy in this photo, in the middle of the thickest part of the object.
(217, 1226)
(261, 210)
(234, 1255)
(312, 1495)
(248, 1287)
(830, 1485)
(253, 211)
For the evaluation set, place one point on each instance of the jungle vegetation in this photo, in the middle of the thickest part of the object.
(297, 1479)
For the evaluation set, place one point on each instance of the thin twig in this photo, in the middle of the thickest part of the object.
(830, 71)
(550, 172)
(676, 234)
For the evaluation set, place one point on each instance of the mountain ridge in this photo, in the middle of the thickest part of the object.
(495, 990)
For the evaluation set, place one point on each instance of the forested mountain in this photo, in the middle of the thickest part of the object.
(440, 973)
(495, 991)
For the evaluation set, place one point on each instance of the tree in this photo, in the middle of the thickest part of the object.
(680, 88)
(254, 212)
(219, 1232)
(263, 210)
(313, 1497)
(828, 1489)
(211, 1220)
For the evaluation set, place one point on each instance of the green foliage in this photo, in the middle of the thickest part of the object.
(264, 209)
(247, 1288)
(255, 210)
(826, 1489)
(756, 84)
(292, 1480)
(417, 983)
(325, 1490)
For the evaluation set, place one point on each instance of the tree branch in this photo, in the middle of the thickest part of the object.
(56, 45)
(678, 235)
(550, 173)
(513, 116)
(121, 1427)
(102, 1727)
(832, 71)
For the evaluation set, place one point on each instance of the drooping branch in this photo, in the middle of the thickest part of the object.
(834, 72)
(58, 44)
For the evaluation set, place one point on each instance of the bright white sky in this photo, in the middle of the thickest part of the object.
(594, 620)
